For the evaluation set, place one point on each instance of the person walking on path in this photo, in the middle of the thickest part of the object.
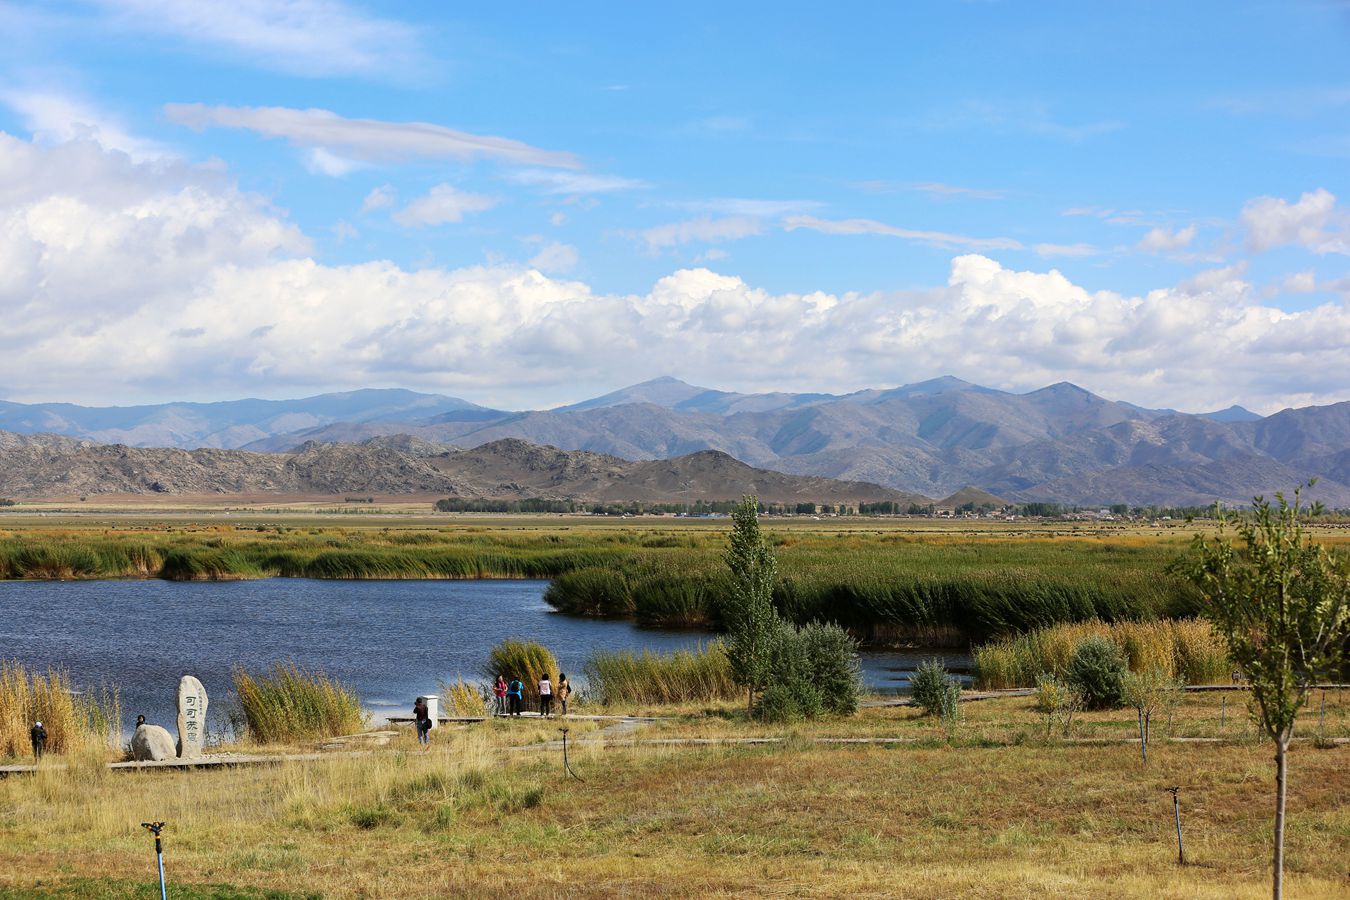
(514, 692)
(564, 690)
(499, 691)
(545, 696)
(423, 717)
(38, 735)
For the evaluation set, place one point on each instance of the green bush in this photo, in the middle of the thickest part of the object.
(931, 687)
(1097, 672)
(832, 656)
(793, 692)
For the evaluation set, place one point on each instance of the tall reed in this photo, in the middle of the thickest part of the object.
(1188, 649)
(73, 721)
(526, 660)
(461, 699)
(289, 704)
(685, 676)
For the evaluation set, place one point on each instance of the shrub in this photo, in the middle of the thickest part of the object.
(931, 687)
(1052, 695)
(526, 660)
(792, 692)
(292, 704)
(1097, 672)
(832, 656)
(462, 700)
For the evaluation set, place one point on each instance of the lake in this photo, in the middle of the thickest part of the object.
(390, 640)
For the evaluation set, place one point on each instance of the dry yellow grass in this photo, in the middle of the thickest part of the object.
(980, 818)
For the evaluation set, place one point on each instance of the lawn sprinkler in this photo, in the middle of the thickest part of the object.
(567, 767)
(1176, 810)
(155, 828)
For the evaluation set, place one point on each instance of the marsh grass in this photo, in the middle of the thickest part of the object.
(526, 660)
(461, 699)
(1186, 649)
(74, 722)
(288, 704)
(624, 677)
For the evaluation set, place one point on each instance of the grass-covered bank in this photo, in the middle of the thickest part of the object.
(998, 811)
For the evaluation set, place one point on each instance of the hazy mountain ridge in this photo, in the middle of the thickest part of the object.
(54, 466)
(931, 438)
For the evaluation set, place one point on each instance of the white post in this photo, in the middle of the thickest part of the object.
(433, 708)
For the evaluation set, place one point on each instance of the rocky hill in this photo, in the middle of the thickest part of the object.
(932, 438)
(53, 466)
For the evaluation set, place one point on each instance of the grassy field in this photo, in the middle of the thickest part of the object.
(992, 809)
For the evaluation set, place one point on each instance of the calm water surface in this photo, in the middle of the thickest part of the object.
(390, 640)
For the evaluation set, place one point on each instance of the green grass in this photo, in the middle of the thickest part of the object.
(290, 704)
(621, 677)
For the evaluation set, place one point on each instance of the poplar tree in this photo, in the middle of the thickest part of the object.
(748, 612)
(1283, 602)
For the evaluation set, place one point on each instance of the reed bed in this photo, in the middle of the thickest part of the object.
(703, 675)
(527, 660)
(288, 704)
(74, 722)
(1188, 649)
(461, 699)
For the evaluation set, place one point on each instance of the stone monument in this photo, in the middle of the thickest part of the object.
(191, 717)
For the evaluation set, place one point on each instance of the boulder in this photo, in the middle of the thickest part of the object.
(151, 742)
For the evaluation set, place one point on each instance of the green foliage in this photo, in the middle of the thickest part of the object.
(791, 693)
(832, 660)
(526, 660)
(1051, 695)
(749, 615)
(291, 704)
(1282, 601)
(1097, 672)
(615, 677)
(932, 689)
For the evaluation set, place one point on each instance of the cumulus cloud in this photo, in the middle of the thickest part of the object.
(122, 281)
(302, 37)
(442, 204)
(939, 239)
(1312, 222)
(56, 118)
(365, 140)
(1161, 240)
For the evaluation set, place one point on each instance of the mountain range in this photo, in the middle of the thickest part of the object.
(1057, 444)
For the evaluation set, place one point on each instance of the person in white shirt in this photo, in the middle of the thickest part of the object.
(545, 696)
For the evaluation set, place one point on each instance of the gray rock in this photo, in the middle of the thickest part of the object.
(151, 742)
(191, 717)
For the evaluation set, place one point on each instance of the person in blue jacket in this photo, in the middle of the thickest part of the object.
(515, 692)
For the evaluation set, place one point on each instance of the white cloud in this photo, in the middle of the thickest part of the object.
(123, 281)
(379, 198)
(934, 188)
(1275, 222)
(366, 140)
(1051, 250)
(1160, 240)
(701, 230)
(443, 203)
(1299, 283)
(558, 219)
(56, 118)
(555, 257)
(303, 37)
(741, 206)
(321, 162)
(554, 182)
(869, 226)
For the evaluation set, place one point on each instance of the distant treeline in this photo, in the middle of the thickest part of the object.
(634, 508)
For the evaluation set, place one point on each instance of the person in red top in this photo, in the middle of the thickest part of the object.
(499, 691)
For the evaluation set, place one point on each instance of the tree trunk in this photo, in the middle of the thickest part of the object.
(1281, 782)
(1143, 738)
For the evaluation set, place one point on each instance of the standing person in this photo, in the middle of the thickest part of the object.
(514, 692)
(499, 691)
(564, 691)
(38, 735)
(545, 696)
(423, 717)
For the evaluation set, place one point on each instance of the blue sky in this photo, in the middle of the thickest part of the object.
(524, 206)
